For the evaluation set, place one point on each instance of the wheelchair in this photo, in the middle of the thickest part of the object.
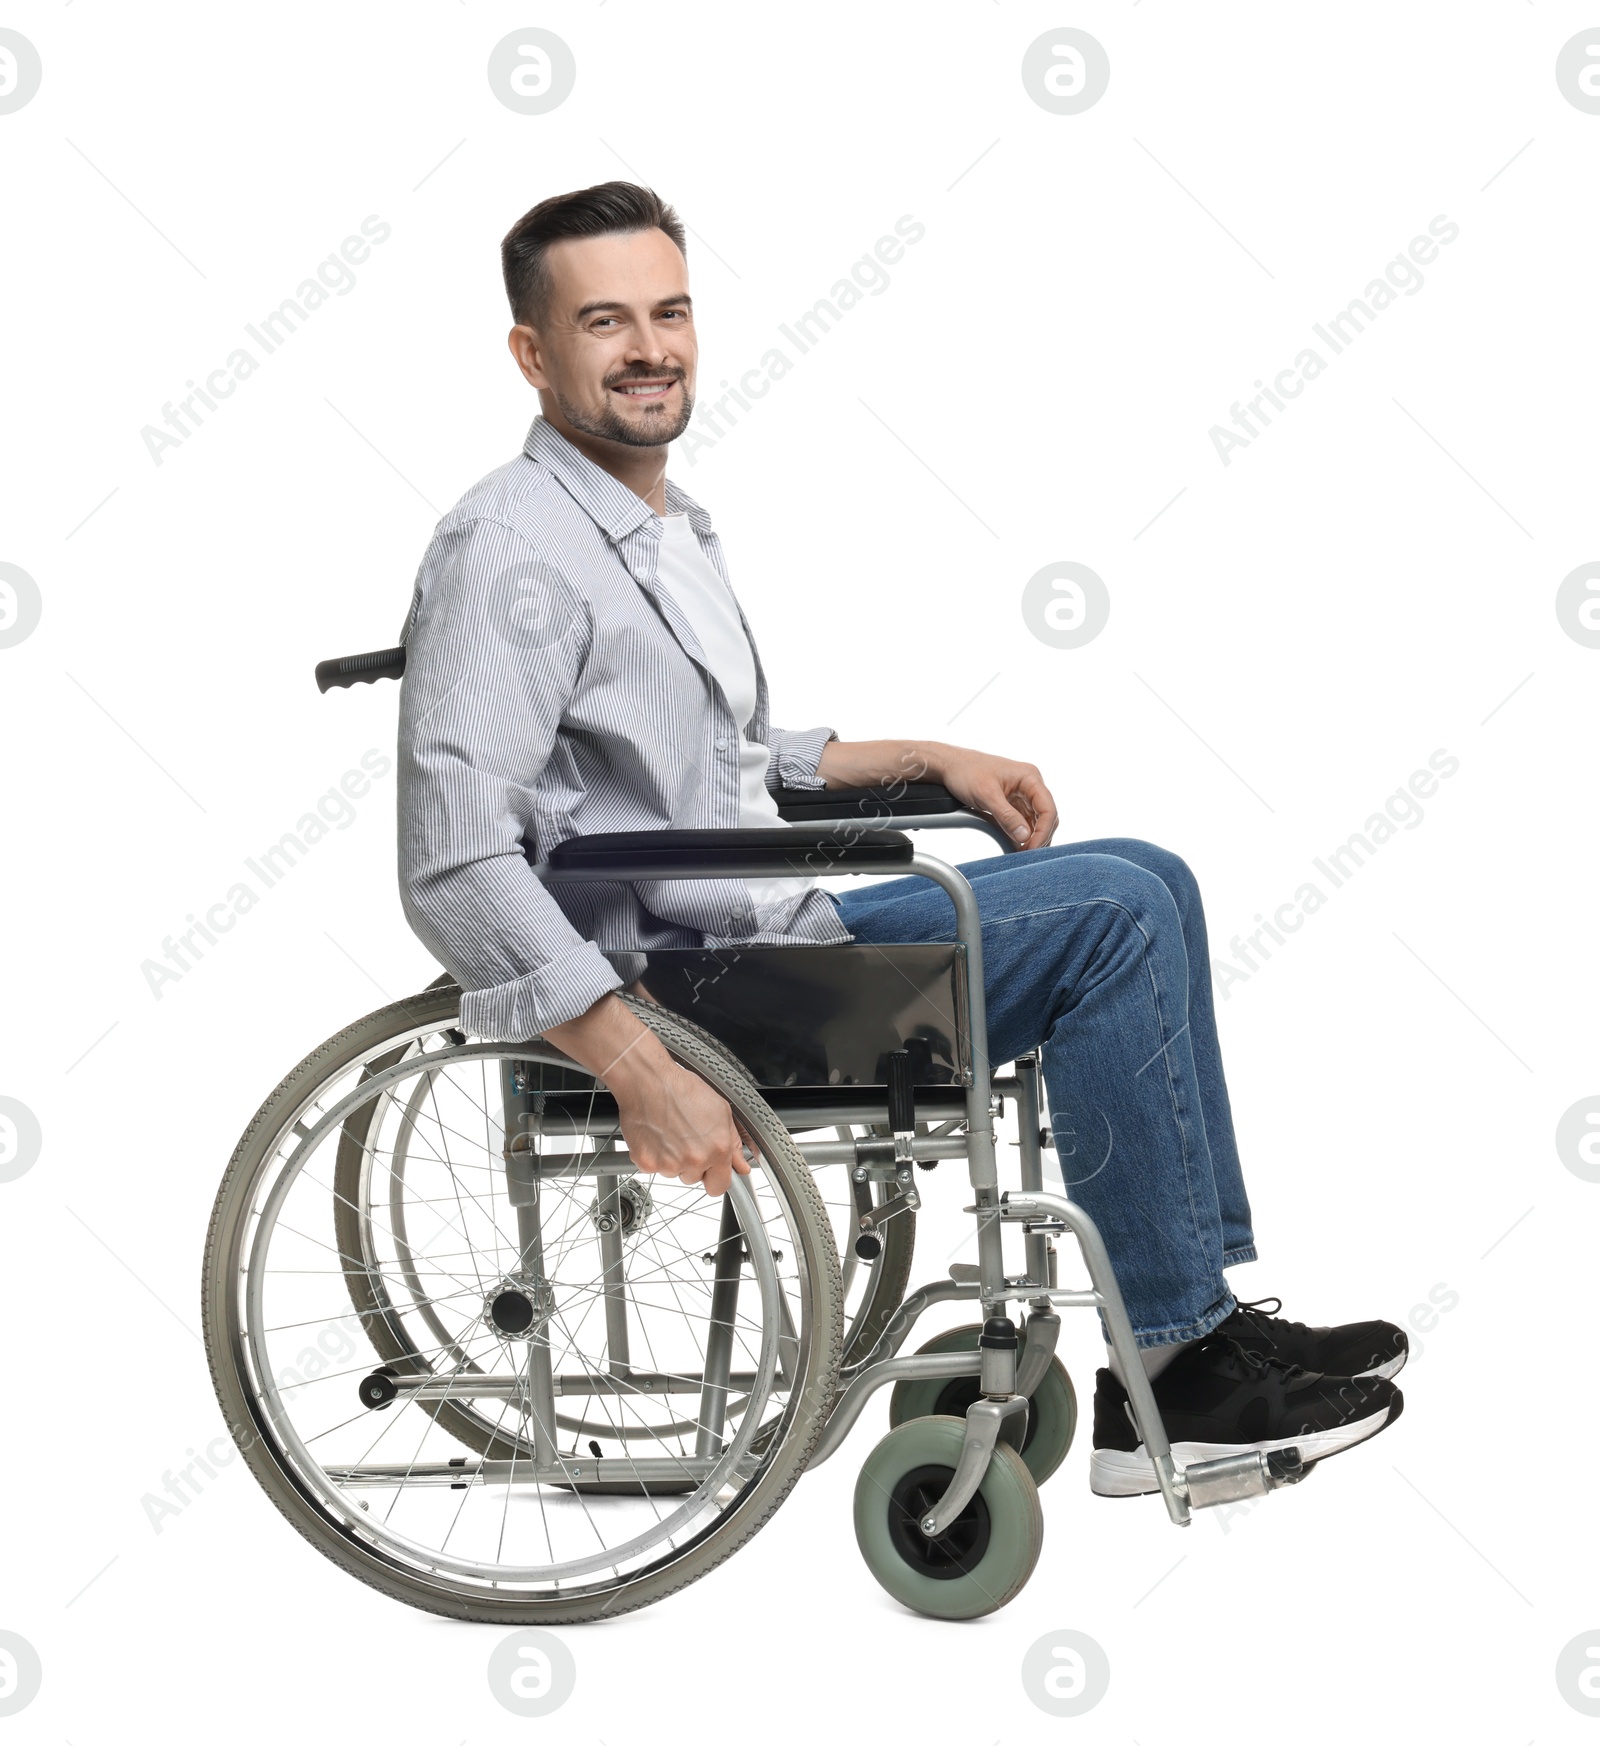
(488, 1367)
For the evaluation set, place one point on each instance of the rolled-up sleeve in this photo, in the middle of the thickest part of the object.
(793, 756)
(496, 644)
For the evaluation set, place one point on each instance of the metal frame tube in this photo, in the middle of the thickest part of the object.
(669, 1472)
(613, 1259)
(539, 1401)
(919, 1368)
(822, 1155)
(719, 1336)
(541, 1397)
(1141, 1398)
(905, 1319)
(981, 1168)
(512, 1385)
(1036, 1247)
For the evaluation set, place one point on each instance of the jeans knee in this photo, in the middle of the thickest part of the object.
(1138, 912)
(1172, 870)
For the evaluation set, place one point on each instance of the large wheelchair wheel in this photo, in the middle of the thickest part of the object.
(582, 1387)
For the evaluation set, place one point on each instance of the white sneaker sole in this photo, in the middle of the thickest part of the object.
(1131, 1473)
(1386, 1371)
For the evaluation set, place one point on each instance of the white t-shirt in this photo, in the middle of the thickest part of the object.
(689, 577)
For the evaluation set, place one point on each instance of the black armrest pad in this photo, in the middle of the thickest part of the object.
(897, 800)
(715, 854)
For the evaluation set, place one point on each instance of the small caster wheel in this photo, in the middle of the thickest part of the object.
(1052, 1411)
(986, 1555)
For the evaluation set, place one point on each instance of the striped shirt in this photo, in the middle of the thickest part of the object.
(554, 688)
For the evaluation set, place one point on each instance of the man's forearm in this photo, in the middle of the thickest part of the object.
(1006, 790)
(611, 1043)
(872, 763)
(673, 1122)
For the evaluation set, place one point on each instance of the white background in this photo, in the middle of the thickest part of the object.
(1372, 579)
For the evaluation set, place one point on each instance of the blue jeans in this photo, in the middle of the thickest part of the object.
(1097, 951)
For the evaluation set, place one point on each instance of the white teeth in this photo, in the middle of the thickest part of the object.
(657, 388)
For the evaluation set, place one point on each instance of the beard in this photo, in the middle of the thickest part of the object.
(610, 425)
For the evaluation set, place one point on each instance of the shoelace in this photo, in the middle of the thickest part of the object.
(1241, 1354)
(1261, 1360)
(1256, 1313)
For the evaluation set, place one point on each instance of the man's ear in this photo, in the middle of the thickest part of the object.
(523, 342)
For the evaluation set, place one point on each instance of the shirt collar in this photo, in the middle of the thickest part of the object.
(607, 500)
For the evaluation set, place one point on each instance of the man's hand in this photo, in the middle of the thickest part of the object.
(673, 1123)
(1012, 793)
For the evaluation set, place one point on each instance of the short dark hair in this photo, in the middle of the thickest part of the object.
(607, 209)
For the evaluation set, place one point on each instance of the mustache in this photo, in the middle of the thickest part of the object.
(645, 376)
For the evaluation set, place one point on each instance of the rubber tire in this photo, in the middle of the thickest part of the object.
(1052, 1409)
(437, 1008)
(1016, 1522)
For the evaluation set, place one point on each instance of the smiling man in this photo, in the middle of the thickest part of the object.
(577, 662)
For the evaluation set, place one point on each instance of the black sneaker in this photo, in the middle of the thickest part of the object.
(1218, 1398)
(1359, 1349)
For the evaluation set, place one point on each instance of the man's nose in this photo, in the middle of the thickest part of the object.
(649, 347)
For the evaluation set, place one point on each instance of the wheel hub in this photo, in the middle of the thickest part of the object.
(520, 1307)
(625, 1212)
(956, 1551)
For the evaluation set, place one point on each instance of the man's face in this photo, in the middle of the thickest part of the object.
(616, 348)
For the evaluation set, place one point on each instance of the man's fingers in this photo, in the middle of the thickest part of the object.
(1037, 833)
(737, 1164)
(1038, 797)
(1007, 817)
(720, 1177)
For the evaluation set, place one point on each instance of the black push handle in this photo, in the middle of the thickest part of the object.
(902, 1102)
(361, 669)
